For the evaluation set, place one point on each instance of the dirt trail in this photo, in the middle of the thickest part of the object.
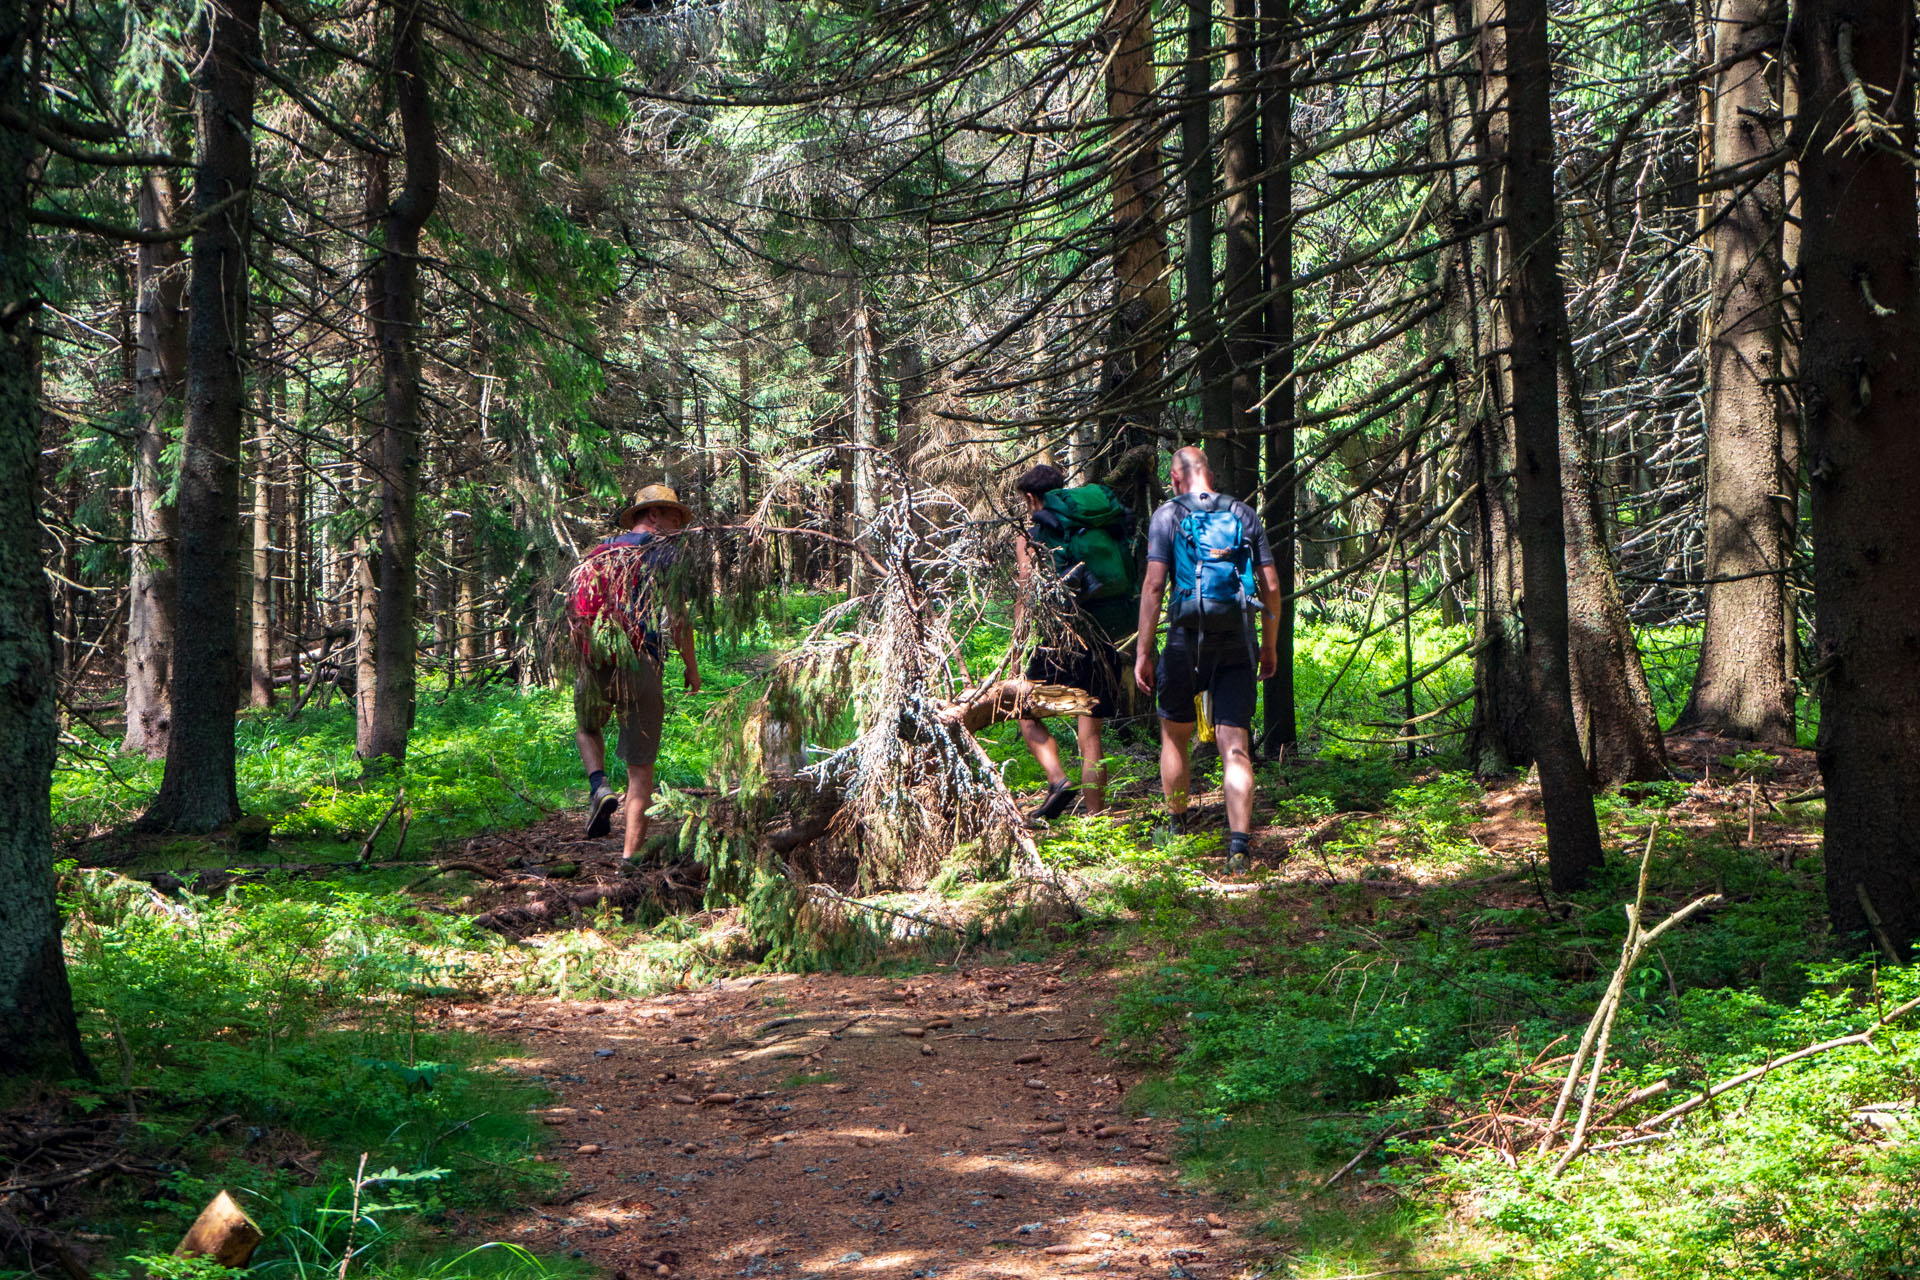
(832, 1126)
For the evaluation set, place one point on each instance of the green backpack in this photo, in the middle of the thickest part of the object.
(1089, 531)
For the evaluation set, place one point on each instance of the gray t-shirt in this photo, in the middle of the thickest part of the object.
(1163, 531)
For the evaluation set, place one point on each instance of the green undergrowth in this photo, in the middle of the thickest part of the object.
(267, 1042)
(1410, 1001)
(477, 760)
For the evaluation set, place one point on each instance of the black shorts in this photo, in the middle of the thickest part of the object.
(1093, 665)
(1222, 666)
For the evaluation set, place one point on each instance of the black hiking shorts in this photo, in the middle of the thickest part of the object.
(1191, 665)
(631, 692)
(1092, 664)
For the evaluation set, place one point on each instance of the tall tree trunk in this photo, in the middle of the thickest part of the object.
(1501, 737)
(396, 639)
(363, 562)
(1276, 223)
(865, 446)
(1518, 70)
(1239, 453)
(197, 790)
(1132, 368)
(160, 363)
(1860, 382)
(36, 1007)
(1210, 374)
(1612, 702)
(1743, 685)
(260, 593)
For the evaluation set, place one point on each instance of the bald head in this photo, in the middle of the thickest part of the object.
(1190, 471)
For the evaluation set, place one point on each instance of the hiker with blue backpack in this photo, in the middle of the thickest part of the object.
(1083, 535)
(1212, 551)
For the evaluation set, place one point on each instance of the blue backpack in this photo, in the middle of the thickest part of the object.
(1213, 583)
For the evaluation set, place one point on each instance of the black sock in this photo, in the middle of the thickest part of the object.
(596, 780)
(1237, 841)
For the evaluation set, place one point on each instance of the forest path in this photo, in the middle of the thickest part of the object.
(841, 1126)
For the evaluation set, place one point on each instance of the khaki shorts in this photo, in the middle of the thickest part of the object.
(633, 694)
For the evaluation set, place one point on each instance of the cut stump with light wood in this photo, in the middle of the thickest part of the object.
(977, 709)
(222, 1232)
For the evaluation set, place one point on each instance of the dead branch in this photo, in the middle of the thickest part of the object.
(1600, 1028)
(674, 888)
(977, 709)
(1746, 1077)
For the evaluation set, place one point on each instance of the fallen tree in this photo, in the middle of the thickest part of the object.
(664, 890)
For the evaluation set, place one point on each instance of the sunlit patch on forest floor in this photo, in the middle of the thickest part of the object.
(957, 1122)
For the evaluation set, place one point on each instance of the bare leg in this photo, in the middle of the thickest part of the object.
(1236, 758)
(1174, 740)
(1040, 742)
(1093, 768)
(593, 749)
(638, 800)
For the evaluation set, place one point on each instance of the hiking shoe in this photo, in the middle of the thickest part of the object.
(1178, 824)
(1059, 797)
(600, 807)
(1238, 864)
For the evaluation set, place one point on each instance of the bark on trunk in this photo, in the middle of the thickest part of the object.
(36, 1008)
(1131, 370)
(1536, 318)
(1860, 381)
(197, 791)
(160, 362)
(1743, 686)
(1210, 374)
(1238, 456)
(1502, 736)
(864, 453)
(260, 588)
(1276, 221)
(396, 639)
(1613, 711)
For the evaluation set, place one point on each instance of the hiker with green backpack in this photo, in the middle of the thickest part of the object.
(1212, 550)
(1082, 534)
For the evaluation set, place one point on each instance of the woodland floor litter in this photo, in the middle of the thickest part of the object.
(959, 1124)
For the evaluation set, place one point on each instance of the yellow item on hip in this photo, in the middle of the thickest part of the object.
(1203, 713)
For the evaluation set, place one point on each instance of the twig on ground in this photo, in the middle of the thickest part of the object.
(1600, 1028)
(1371, 1146)
(828, 891)
(1734, 1082)
(366, 849)
(448, 868)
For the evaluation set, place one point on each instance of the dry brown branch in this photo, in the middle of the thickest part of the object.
(1600, 1028)
(1746, 1077)
(975, 710)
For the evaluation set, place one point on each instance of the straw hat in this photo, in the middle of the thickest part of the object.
(654, 495)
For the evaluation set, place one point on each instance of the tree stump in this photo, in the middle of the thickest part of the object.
(222, 1232)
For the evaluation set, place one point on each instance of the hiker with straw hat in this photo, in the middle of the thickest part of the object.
(624, 613)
